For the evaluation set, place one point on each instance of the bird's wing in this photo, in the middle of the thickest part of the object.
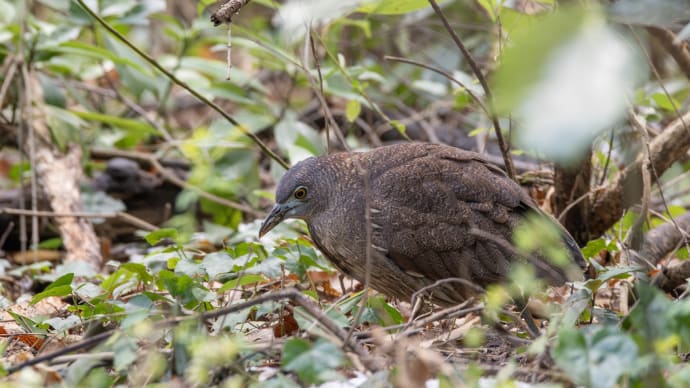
(447, 214)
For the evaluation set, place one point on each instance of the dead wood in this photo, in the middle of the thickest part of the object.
(58, 175)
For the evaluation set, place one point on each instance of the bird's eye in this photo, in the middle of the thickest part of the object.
(300, 193)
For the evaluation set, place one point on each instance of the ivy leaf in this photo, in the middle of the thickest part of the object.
(312, 363)
(597, 356)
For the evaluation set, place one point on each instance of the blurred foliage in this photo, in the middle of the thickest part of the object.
(551, 71)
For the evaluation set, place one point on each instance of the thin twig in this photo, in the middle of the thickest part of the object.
(503, 145)
(9, 76)
(360, 91)
(320, 93)
(572, 205)
(184, 85)
(6, 234)
(290, 293)
(113, 92)
(445, 74)
(130, 219)
(28, 122)
(606, 164)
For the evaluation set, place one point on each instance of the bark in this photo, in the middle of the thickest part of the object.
(58, 177)
(570, 184)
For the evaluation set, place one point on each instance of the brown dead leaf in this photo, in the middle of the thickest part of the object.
(330, 291)
(286, 326)
(319, 277)
(32, 340)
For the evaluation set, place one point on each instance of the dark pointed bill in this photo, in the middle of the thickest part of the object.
(276, 217)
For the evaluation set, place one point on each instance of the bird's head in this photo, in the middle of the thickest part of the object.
(301, 193)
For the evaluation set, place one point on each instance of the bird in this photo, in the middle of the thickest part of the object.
(420, 213)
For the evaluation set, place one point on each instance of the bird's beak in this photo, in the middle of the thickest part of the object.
(276, 217)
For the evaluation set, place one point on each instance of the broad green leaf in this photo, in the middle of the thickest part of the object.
(62, 286)
(63, 324)
(91, 51)
(352, 110)
(124, 352)
(51, 243)
(138, 269)
(217, 263)
(575, 306)
(128, 124)
(312, 363)
(610, 273)
(593, 247)
(241, 281)
(596, 356)
(159, 235)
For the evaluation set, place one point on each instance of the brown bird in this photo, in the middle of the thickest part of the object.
(435, 212)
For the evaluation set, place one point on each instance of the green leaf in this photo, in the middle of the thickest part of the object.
(62, 286)
(138, 269)
(665, 102)
(575, 306)
(352, 110)
(128, 124)
(217, 263)
(400, 127)
(313, 364)
(542, 82)
(392, 7)
(610, 273)
(159, 235)
(91, 51)
(476, 132)
(490, 7)
(29, 324)
(595, 246)
(124, 352)
(51, 243)
(596, 356)
(241, 281)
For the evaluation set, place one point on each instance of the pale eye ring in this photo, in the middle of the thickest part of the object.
(300, 192)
